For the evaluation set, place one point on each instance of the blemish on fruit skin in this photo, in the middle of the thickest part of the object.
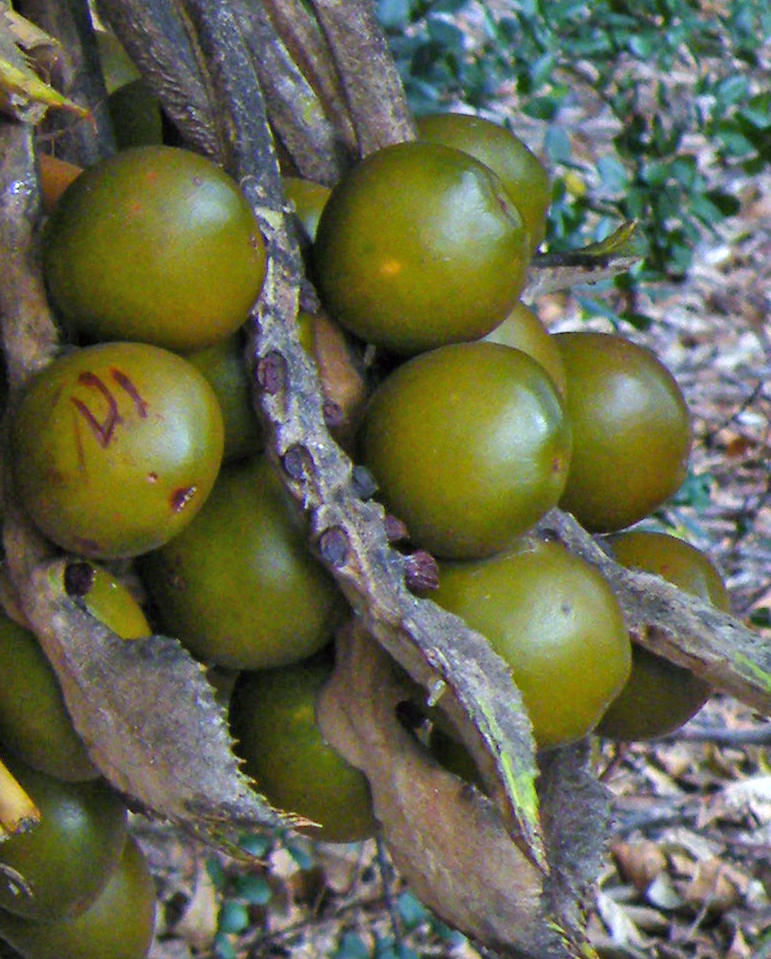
(78, 579)
(182, 496)
(79, 443)
(390, 267)
(105, 429)
(86, 546)
(152, 477)
(54, 476)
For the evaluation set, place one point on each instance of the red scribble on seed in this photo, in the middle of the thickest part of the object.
(182, 496)
(102, 430)
(128, 385)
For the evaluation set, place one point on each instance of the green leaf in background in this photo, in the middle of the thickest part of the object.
(566, 54)
(233, 917)
(253, 889)
(352, 946)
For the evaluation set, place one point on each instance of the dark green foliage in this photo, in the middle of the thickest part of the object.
(668, 75)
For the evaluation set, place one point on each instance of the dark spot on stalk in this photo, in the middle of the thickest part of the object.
(295, 461)
(421, 572)
(271, 373)
(395, 529)
(333, 546)
(364, 483)
(333, 413)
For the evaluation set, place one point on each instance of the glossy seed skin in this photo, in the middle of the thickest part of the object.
(273, 717)
(556, 622)
(661, 696)
(631, 430)
(68, 856)
(115, 448)
(419, 245)
(239, 586)
(521, 172)
(154, 244)
(119, 924)
(470, 446)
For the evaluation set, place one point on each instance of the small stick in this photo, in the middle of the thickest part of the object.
(18, 813)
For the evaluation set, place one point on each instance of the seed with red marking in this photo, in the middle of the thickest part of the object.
(128, 430)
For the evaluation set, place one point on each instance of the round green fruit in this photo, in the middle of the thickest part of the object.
(238, 586)
(273, 718)
(66, 858)
(136, 115)
(660, 696)
(631, 430)
(107, 599)
(519, 169)
(223, 366)
(118, 68)
(156, 244)
(119, 924)
(134, 109)
(523, 330)
(115, 447)
(419, 245)
(469, 445)
(558, 625)
(308, 199)
(34, 722)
